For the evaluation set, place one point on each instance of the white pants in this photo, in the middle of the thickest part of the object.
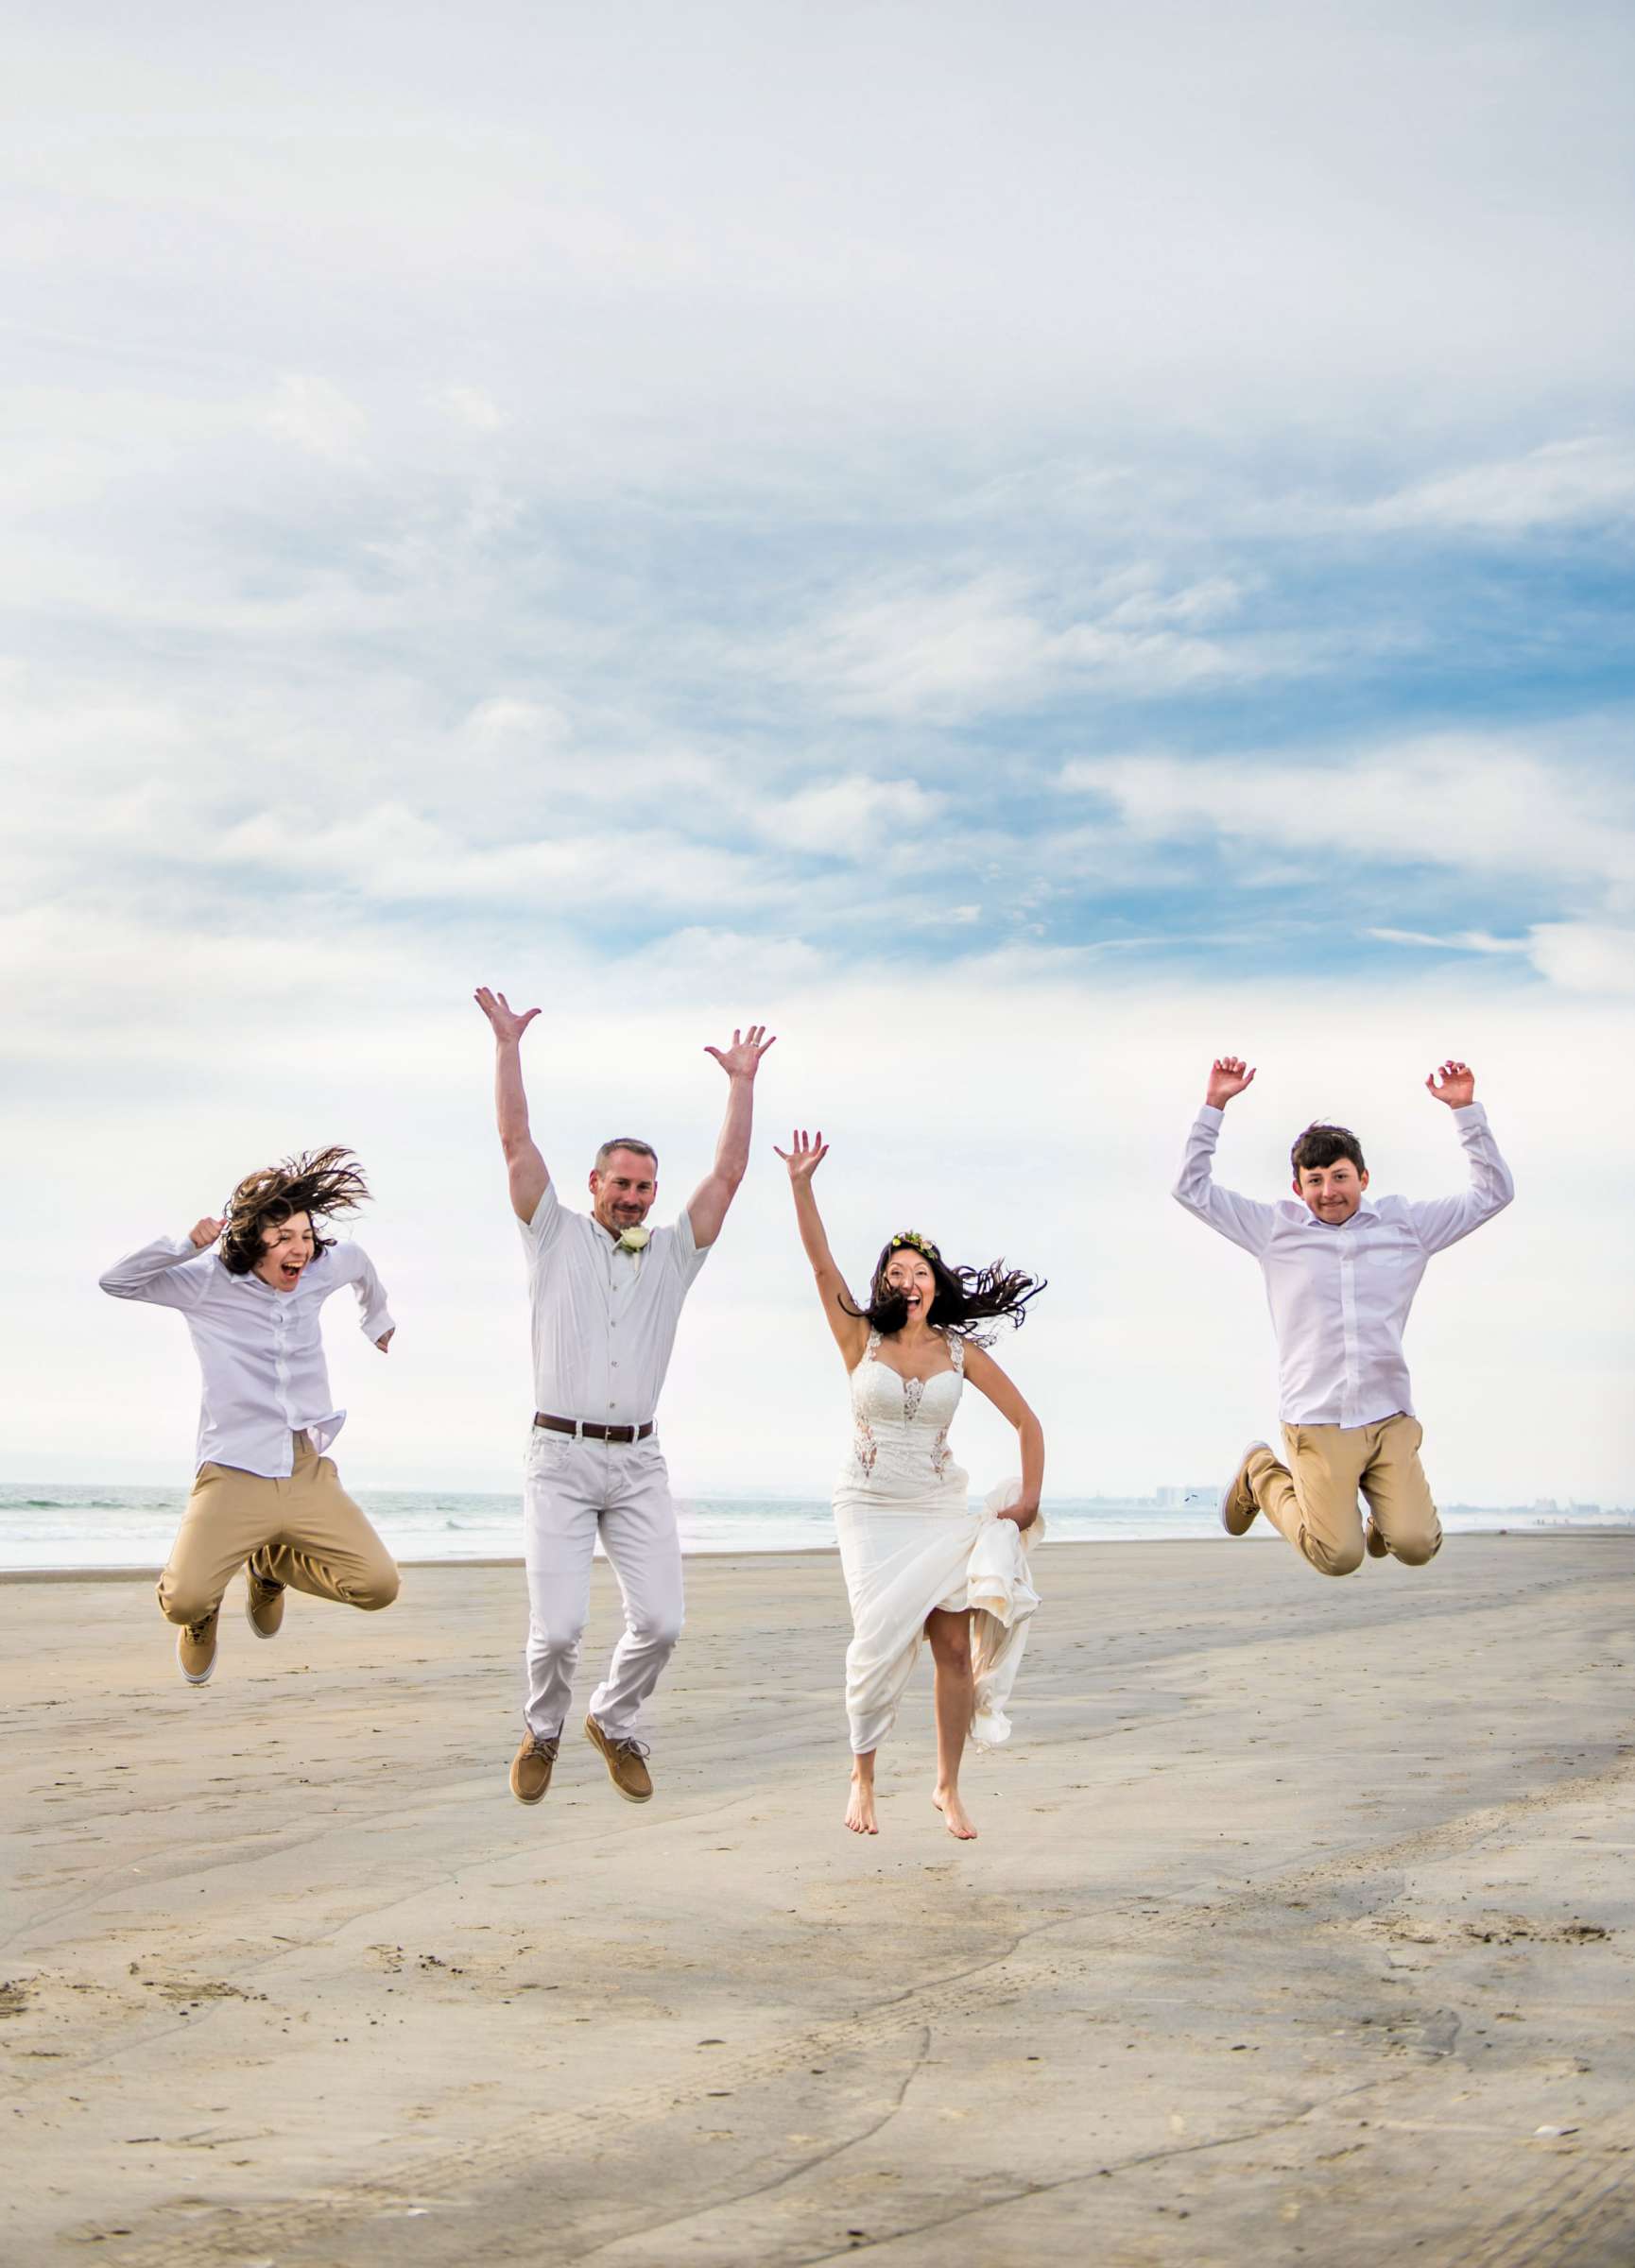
(571, 1489)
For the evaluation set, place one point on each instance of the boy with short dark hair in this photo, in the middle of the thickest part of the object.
(1341, 1270)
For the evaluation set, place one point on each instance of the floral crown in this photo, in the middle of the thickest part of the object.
(920, 1244)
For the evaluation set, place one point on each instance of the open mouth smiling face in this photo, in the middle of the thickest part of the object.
(287, 1246)
(910, 1274)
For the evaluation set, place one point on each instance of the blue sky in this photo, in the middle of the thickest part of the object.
(1019, 550)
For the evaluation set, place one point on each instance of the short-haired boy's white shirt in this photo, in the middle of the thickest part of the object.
(603, 1319)
(1339, 1296)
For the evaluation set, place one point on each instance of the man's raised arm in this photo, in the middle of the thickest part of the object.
(707, 1207)
(524, 1167)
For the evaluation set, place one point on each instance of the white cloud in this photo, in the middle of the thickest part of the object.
(1564, 484)
(1464, 941)
(522, 723)
(1578, 956)
(854, 818)
(392, 852)
(1585, 957)
(994, 640)
(470, 407)
(1479, 803)
(317, 415)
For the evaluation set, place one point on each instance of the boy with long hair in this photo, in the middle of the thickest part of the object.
(264, 1496)
(1341, 1269)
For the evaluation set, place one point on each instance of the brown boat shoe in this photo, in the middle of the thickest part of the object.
(195, 1648)
(264, 1601)
(624, 1759)
(531, 1768)
(1237, 1505)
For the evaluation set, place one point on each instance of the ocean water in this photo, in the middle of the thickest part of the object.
(58, 1526)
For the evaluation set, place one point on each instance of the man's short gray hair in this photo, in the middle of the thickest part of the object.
(627, 1141)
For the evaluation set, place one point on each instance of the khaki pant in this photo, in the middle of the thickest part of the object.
(305, 1532)
(1313, 1499)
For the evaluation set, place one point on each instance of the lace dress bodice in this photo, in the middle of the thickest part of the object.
(900, 1428)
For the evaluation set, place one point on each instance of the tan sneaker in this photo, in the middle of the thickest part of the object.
(531, 1768)
(1376, 1545)
(626, 1769)
(264, 1602)
(1238, 1507)
(195, 1648)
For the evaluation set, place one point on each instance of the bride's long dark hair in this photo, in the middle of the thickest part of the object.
(964, 1299)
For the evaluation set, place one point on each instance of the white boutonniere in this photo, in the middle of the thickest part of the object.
(634, 1240)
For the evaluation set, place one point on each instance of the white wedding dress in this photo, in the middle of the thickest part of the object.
(909, 1542)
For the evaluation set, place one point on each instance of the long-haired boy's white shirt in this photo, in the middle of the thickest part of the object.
(261, 1369)
(1339, 1296)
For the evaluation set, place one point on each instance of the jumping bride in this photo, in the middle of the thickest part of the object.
(919, 1561)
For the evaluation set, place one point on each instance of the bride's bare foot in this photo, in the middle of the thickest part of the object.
(860, 1810)
(955, 1815)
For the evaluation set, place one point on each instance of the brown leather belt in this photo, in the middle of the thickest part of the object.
(592, 1432)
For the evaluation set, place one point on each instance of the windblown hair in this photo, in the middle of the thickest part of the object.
(316, 1182)
(627, 1141)
(964, 1299)
(1326, 1146)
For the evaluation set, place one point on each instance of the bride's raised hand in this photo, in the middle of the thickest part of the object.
(804, 1155)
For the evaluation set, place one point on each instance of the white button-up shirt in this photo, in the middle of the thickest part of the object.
(604, 1320)
(260, 1352)
(1340, 1296)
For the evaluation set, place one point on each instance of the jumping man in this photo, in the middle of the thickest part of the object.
(606, 1293)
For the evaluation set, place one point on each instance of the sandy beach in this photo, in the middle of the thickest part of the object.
(1300, 1929)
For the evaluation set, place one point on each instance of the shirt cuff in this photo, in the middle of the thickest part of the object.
(375, 1326)
(1210, 1113)
(1469, 1114)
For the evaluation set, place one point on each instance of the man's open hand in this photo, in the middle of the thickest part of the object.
(497, 1008)
(742, 1061)
(1453, 1083)
(204, 1234)
(1228, 1075)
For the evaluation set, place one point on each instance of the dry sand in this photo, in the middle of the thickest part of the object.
(1299, 1931)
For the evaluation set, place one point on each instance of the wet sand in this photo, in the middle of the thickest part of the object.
(1299, 1929)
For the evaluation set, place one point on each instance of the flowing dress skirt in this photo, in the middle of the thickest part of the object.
(905, 1556)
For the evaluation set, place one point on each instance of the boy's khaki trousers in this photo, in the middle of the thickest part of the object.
(305, 1532)
(1313, 1499)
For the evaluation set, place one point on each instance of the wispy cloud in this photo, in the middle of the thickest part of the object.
(996, 640)
(1564, 484)
(1471, 802)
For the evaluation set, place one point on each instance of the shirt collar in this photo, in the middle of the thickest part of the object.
(1367, 1211)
